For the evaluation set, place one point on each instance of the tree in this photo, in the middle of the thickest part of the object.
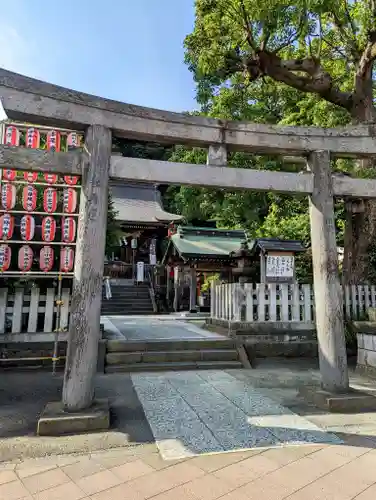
(113, 232)
(320, 53)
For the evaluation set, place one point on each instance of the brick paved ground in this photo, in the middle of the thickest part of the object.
(336, 472)
(134, 470)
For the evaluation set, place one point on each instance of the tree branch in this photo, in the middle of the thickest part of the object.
(247, 26)
(318, 81)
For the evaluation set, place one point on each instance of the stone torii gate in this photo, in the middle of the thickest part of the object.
(101, 119)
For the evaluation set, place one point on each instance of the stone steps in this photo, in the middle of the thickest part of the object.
(175, 366)
(164, 355)
(127, 300)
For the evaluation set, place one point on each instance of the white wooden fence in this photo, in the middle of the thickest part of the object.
(32, 312)
(272, 302)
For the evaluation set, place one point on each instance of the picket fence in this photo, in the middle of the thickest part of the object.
(33, 312)
(272, 302)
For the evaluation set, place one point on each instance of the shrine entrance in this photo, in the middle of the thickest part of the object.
(100, 120)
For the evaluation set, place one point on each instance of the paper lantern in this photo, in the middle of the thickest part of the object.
(9, 175)
(48, 228)
(46, 259)
(53, 140)
(8, 196)
(12, 136)
(69, 200)
(66, 259)
(32, 138)
(6, 226)
(71, 180)
(5, 257)
(68, 229)
(50, 200)
(50, 178)
(29, 198)
(25, 258)
(73, 141)
(27, 227)
(30, 176)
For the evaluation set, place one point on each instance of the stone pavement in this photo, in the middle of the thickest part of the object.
(163, 327)
(319, 472)
(125, 462)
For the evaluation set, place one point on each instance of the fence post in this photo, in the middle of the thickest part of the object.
(84, 328)
(328, 294)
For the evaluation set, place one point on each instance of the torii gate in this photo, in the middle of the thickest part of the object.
(100, 119)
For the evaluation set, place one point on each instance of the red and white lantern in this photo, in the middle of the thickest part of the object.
(71, 180)
(30, 176)
(51, 178)
(27, 227)
(66, 259)
(5, 257)
(25, 258)
(46, 259)
(73, 141)
(53, 140)
(12, 136)
(6, 226)
(29, 198)
(68, 229)
(8, 196)
(9, 175)
(32, 138)
(48, 228)
(50, 200)
(69, 200)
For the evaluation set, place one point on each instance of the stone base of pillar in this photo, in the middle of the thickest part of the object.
(54, 421)
(350, 402)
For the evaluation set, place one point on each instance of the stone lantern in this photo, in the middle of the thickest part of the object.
(244, 269)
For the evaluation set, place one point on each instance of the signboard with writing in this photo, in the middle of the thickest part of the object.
(280, 267)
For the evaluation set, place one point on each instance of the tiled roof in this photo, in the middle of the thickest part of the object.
(275, 244)
(207, 242)
(139, 203)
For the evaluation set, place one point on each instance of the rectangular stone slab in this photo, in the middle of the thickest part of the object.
(54, 421)
(350, 402)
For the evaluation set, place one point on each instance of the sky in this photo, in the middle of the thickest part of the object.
(128, 50)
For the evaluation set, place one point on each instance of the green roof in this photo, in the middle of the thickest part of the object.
(207, 242)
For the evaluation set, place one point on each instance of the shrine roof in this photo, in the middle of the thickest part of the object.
(191, 242)
(276, 244)
(140, 203)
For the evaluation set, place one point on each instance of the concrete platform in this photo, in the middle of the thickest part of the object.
(353, 401)
(54, 421)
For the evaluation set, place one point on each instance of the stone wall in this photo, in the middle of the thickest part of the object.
(264, 340)
(366, 338)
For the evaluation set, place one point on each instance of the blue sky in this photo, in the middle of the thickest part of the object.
(129, 50)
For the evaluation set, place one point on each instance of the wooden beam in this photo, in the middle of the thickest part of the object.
(164, 172)
(39, 102)
(187, 174)
(39, 160)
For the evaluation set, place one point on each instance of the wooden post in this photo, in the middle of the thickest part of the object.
(176, 288)
(193, 290)
(327, 289)
(84, 328)
(262, 267)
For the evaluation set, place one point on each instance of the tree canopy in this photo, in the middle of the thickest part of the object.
(295, 62)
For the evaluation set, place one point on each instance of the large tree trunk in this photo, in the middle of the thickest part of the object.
(360, 231)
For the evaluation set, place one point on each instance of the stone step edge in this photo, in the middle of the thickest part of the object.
(174, 366)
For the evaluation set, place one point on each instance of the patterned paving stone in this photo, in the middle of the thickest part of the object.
(209, 412)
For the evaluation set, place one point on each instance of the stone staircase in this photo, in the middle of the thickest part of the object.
(127, 298)
(164, 355)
